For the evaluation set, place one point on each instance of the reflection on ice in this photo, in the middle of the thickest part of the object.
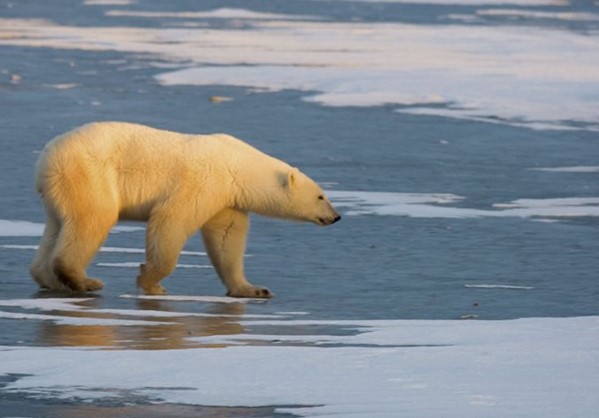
(153, 324)
(185, 298)
(527, 367)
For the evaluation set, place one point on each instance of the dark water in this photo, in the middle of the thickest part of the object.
(364, 267)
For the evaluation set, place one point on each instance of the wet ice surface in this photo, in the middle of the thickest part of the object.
(288, 364)
(457, 138)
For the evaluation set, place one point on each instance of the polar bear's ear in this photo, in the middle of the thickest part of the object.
(287, 179)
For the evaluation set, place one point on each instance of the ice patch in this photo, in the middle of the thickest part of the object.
(498, 286)
(470, 2)
(494, 73)
(108, 2)
(20, 229)
(574, 169)
(125, 250)
(63, 86)
(528, 367)
(126, 228)
(14, 228)
(66, 305)
(47, 304)
(222, 13)
(530, 14)
(436, 206)
(79, 321)
(73, 305)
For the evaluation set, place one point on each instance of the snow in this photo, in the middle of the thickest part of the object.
(566, 16)
(127, 250)
(222, 13)
(527, 367)
(498, 286)
(471, 2)
(79, 321)
(573, 169)
(11, 228)
(16, 228)
(422, 205)
(108, 2)
(493, 73)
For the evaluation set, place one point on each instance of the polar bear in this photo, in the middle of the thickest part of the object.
(100, 173)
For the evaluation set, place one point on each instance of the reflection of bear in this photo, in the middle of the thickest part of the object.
(184, 331)
(93, 176)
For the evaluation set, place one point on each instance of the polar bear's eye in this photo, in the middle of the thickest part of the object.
(321, 197)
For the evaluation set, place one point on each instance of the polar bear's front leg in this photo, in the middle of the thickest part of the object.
(225, 237)
(166, 235)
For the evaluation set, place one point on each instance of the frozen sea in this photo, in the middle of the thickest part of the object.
(458, 138)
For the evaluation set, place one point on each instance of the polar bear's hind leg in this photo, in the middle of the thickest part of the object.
(40, 267)
(78, 242)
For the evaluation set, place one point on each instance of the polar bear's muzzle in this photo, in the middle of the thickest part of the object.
(329, 221)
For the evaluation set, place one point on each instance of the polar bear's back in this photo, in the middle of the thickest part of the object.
(133, 166)
(126, 149)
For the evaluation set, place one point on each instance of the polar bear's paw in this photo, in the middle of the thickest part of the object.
(154, 290)
(93, 285)
(251, 292)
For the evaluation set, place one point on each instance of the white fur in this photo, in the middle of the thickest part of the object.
(100, 173)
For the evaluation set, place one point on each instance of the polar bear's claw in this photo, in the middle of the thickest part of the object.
(251, 292)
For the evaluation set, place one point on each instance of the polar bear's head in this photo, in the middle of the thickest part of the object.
(306, 200)
(295, 196)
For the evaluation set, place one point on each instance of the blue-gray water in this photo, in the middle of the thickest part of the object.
(364, 267)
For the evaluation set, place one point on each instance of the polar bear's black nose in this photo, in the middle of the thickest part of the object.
(337, 218)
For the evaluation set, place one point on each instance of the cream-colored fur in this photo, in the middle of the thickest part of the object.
(98, 174)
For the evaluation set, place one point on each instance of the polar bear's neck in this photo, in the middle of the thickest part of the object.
(256, 179)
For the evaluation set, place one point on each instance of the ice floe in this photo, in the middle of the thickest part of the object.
(470, 2)
(498, 286)
(222, 13)
(573, 169)
(16, 228)
(126, 250)
(10, 228)
(437, 206)
(79, 321)
(526, 367)
(531, 14)
(108, 2)
(492, 73)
